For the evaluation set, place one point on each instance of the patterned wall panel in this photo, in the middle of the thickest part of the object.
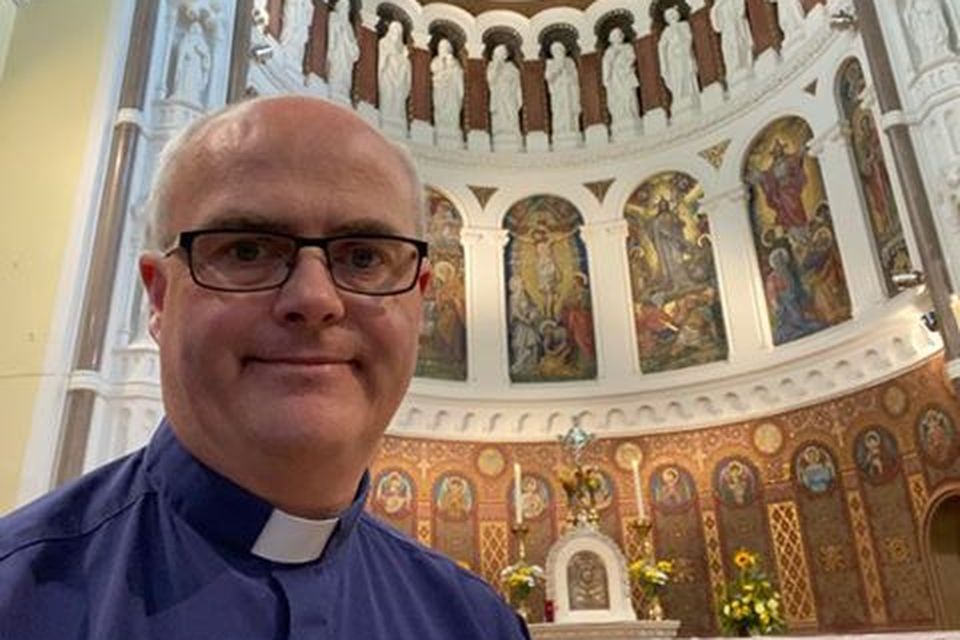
(791, 561)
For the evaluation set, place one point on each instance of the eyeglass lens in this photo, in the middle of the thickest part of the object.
(239, 260)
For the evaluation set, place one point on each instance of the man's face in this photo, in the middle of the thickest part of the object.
(305, 371)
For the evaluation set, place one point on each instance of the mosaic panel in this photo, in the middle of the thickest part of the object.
(867, 559)
(791, 561)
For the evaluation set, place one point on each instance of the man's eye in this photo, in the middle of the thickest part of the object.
(246, 251)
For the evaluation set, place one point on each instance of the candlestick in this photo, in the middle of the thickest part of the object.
(637, 491)
(517, 494)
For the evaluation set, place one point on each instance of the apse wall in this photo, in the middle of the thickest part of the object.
(833, 496)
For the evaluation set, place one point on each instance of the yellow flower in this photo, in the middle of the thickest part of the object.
(744, 559)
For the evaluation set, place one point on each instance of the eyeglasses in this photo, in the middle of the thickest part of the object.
(246, 260)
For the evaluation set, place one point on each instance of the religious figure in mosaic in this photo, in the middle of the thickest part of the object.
(443, 334)
(295, 32)
(678, 66)
(735, 482)
(874, 184)
(393, 73)
(447, 77)
(729, 19)
(677, 312)
(394, 493)
(620, 79)
(937, 437)
(587, 582)
(191, 73)
(928, 30)
(876, 455)
(672, 489)
(803, 276)
(550, 315)
(563, 83)
(534, 497)
(815, 469)
(342, 50)
(454, 497)
(506, 97)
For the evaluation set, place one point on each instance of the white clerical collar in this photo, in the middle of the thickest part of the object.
(291, 539)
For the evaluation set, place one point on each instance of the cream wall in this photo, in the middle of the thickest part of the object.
(48, 94)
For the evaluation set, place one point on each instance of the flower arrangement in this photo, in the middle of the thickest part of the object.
(752, 605)
(519, 580)
(652, 576)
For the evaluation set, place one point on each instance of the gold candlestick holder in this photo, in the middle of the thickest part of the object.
(520, 530)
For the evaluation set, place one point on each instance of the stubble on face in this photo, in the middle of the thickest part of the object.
(245, 376)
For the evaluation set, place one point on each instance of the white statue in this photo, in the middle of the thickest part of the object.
(728, 18)
(261, 14)
(928, 29)
(297, 16)
(506, 96)
(393, 73)
(447, 87)
(342, 50)
(620, 79)
(191, 75)
(563, 82)
(677, 63)
(790, 17)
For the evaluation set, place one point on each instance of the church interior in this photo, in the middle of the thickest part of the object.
(700, 256)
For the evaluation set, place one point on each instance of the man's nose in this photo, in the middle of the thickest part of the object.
(309, 295)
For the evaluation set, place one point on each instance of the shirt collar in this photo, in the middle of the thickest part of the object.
(233, 517)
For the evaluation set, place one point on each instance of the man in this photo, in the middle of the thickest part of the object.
(285, 291)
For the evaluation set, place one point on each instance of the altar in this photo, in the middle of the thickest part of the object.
(623, 630)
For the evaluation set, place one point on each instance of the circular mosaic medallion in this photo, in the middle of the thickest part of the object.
(768, 438)
(626, 453)
(490, 462)
(895, 401)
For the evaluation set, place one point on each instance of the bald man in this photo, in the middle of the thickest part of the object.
(285, 274)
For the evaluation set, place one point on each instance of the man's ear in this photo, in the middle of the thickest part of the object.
(423, 280)
(154, 279)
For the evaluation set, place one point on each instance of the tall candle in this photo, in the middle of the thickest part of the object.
(517, 496)
(637, 492)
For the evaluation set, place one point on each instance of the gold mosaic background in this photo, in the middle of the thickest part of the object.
(831, 495)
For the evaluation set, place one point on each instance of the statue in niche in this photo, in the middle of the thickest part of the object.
(790, 17)
(620, 79)
(342, 50)
(587, 582)
(447, 87)
(297, 16)
(928, 30)
(393, 72)
(677, 63)
(729, 19)
(506, 97)
(191, 75)
(261, 14)
(563, 83)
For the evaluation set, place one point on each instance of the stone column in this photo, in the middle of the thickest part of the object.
(738, 275)
(486, 322)
(365, 71)
(476, 102)
(594, 120)
(852, 231)
(612, 309)
(919, 210)
(534, 103)
(111, 217)
(421, 90)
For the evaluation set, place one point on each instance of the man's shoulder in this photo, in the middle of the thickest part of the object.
(424, 557)
(76, 509)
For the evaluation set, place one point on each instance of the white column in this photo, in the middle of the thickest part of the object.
(738, 275)
(851, 229)
(611, 299)
(486, 323)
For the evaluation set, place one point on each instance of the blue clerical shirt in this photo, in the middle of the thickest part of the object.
(156, 545)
